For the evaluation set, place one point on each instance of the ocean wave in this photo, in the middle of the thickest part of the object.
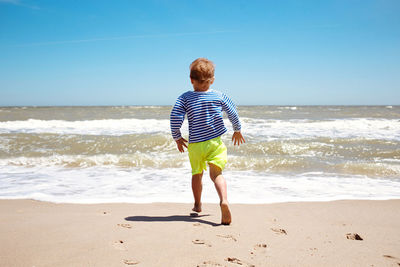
(255, 128)
(371, 157)
(89, 127)
(35, 145)
(159, 161)
(289, 108)
(105, 185)
(299, 165)
(134, 160)
(322, 148)
(335, 128)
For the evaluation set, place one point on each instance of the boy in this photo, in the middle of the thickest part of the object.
(204, 107)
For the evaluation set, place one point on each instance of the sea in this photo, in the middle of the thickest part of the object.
(108, 154)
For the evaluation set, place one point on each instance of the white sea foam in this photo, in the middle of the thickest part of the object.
(157, 160)
(290, 108)
(260, 128)
(338, 128)
(89, 127)
(107, 184)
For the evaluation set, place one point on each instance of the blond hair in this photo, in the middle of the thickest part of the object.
(202, 70)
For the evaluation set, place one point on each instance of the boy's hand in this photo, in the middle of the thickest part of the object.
(237, 138)
(181, 143)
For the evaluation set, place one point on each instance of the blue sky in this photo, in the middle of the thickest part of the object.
(135, 52)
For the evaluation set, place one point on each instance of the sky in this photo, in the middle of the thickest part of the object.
(133, 52)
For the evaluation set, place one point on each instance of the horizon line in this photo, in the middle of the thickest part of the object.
(243, 105)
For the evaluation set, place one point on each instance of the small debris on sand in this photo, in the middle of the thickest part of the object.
(237, 261)
(354, 236)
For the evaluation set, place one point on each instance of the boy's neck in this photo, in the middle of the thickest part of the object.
(201, 86)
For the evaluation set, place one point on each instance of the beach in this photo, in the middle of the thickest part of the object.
(36, 233)
(106, 186)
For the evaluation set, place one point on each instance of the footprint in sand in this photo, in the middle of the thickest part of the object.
(258, 246)
(209, 264)
(239, 262)
(131, 262)
(389, 257)
(313, 250)
(228, 237)
(200, 242)
(125, 225)
(354, 236)
(392, 258)
(279, 231)
(119, 245)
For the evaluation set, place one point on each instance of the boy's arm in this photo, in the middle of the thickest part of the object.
(176, 119)
(229, 107)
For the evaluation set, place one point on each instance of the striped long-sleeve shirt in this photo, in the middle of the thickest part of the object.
(204, 113)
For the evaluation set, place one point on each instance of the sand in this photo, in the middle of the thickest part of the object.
(35, 233)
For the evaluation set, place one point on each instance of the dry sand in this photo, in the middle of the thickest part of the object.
(34, 233)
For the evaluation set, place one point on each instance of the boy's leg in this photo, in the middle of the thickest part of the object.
(220, 185)
(197, 188)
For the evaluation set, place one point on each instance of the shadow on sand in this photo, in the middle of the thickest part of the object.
(172, 218)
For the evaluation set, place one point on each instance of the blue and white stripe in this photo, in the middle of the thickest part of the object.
(204, 113)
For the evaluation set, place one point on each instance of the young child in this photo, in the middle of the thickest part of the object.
(204, 107)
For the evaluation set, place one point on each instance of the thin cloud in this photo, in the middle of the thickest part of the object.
(15, 2)
(18, 3)
(122, 38)
(326, 26)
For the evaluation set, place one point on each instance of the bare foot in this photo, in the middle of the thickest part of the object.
(197, 207)
(225, 214)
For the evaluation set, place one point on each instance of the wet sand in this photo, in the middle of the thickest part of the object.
(35, 233)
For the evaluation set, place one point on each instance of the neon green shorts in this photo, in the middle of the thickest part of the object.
(211, 151)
